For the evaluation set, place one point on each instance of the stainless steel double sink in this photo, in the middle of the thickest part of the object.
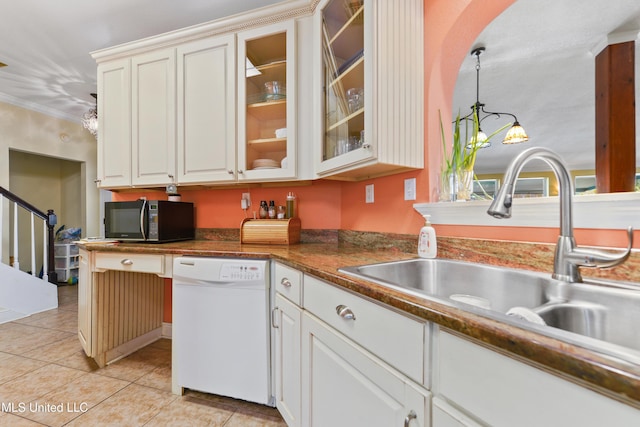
(602, 315)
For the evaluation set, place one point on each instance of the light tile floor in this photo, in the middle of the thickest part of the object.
(46, 379)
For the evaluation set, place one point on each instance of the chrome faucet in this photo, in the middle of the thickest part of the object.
(568, 257)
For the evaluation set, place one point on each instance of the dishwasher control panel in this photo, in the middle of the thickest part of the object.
(239, 272)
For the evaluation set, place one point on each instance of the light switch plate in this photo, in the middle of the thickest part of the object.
(410, 189)
(247, 198)
(368, 192)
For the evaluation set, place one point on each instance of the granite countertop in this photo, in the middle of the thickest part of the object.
(613, 377)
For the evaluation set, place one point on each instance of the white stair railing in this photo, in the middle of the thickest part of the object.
(16, 260)
(45, 256)
(48, 220)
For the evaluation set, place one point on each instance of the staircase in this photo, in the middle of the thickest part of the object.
(23, 294)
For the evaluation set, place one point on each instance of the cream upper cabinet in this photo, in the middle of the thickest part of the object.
(266, 103)
(169, 116)
(206, 108)
(214, 110)
(114, 124)
(136, 120)
(371, 80)
(191, 108)
(153, 142)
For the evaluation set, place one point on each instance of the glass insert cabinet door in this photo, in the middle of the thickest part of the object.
(266, 93)
(343, 54)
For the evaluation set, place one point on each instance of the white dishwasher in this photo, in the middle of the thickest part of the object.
(221, 331)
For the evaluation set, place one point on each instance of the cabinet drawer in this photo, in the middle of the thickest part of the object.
(501, 391)
(141, 263)
(289, 283)
(395, 338)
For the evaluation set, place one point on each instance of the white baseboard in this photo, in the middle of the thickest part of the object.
(131, 346)
(167, 329)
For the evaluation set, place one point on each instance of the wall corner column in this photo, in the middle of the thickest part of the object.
(615, 118)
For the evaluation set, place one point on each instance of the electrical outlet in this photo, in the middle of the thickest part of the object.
(368, 193)
(247, 199)
(410, 189)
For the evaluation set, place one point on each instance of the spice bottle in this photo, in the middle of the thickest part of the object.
(263, 209)
(272, 209)
(291, 205)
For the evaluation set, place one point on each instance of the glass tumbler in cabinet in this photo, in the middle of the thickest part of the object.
(344, 77)
(265, 124)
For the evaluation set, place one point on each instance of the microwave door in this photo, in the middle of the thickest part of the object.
(126, 220)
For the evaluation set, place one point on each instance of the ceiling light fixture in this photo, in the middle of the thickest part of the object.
(90, 118)
(516, 133)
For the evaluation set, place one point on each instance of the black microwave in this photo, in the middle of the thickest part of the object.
(149, 221)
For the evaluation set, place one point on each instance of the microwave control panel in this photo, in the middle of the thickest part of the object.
(153, 221)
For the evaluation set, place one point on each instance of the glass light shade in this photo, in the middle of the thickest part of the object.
(515, 135)
(90, 121)
(481, 141)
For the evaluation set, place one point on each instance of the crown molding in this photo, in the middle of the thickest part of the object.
(32, 106)
(258, 17)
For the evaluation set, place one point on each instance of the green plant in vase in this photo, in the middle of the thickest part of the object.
(457, 175)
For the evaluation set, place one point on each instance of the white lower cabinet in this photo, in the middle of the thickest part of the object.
(445, 415)
(477, 386)
(344, 385)
(287, 355)
(332, 371)
(286, 323)
(392, 336)
(362, 362)
(85, 300)
(345, 360)
(120, 302)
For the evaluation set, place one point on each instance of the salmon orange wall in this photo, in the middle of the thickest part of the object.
(318, 203)
(451, 26)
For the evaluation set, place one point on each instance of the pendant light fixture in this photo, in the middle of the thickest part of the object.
(516, 133)
(90, 118)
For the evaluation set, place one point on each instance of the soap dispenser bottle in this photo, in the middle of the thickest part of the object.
(427, 245)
